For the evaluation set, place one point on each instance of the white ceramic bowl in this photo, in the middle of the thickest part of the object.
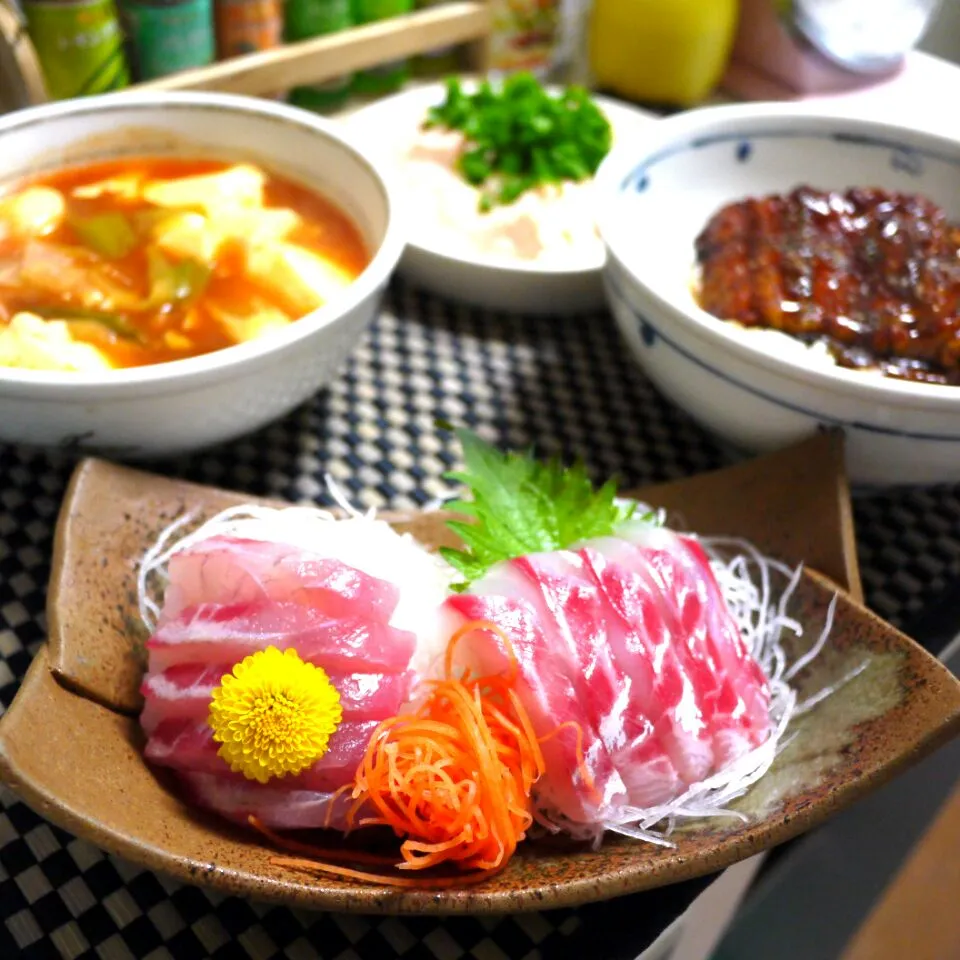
(187, 404)
(491, 282)
(757, 390)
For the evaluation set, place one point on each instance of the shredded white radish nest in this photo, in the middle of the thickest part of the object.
(758, 591)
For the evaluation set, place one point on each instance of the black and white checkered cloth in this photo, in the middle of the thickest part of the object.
(565, 384)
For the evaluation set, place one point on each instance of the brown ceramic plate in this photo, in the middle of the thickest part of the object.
(70, 744)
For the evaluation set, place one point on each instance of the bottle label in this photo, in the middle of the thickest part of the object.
(170, 38)
(79, 45)
(245, 26)
(524, 34)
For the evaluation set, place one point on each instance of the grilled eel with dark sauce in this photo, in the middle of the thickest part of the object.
(873, 274)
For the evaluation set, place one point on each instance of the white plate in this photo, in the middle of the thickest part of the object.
(493, 281)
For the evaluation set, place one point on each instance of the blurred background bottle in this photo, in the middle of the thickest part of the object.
(167, 36)
(435, 63)
(304, 19)
(388, 76)
(524, 35)
(661, 51)
(79, 44)
(246, 26)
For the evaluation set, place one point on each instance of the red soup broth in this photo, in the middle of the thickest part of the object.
(98, 266)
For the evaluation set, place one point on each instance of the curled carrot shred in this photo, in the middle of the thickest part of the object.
(309, 850)
(455, 778)
(387, 879)
(582, 767)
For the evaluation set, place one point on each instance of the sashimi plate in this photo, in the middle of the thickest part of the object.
(71, 746)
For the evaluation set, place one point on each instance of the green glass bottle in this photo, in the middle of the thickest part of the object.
(435, 63)
(303, 20)
(167, 36)
(388, 76)
(79, 44)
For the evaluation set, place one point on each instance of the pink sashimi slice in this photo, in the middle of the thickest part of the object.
(185, 745)
(278, 807)
(229, 570)
(211, 633)
(728, 679)
(631, 639)
(183, 692)
(714, 696)
(667, 695)
(551, 698)
(612, 671)
(566, 607)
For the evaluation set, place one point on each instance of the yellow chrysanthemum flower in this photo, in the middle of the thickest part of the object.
(274, 715)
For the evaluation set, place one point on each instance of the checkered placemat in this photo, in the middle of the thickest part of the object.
(566, 384)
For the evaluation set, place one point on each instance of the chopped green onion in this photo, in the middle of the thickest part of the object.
(108, 234)
(520, 137)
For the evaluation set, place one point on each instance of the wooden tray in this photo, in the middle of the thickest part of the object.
(465, 23)
(323, 58)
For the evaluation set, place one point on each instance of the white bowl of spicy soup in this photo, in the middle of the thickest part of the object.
(178, 270)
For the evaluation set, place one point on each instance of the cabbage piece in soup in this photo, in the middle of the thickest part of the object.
(146, 260)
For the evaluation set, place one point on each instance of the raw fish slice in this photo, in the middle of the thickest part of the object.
(185, 745)
(230, 570)
(551, 699)
(651, 654)
(714, 694)
(567, 607)
(277, 806)
(183, 692)
(211, 633)
(641, 595)
(681, 557)
(730, 650)
(731, 743)
(618, 694)
(650, 775)
(730, 680)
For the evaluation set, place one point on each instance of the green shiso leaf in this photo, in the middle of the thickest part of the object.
(519, 505)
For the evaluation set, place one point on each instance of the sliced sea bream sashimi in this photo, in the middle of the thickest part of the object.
(628, 640)
(729, 687)
(552, 698)
(276, 805)
(229, 570)
(228, 597)
(186, 745)
(213, 633)
(183, 692)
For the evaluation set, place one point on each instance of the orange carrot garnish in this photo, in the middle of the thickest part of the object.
(307, 849)
(454, 779)
(388, 880)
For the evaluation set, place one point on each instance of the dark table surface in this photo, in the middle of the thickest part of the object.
(566, 384)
